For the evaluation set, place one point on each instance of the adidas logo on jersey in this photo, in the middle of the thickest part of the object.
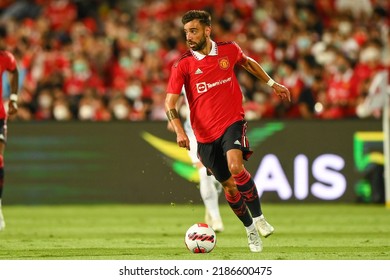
(198, 71)
(237, 142)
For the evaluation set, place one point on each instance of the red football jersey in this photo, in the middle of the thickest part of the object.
(7, 62)
(213, 93)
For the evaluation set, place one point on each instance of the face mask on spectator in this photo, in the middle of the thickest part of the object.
(307, 79)
(121, 111)
(61, 112)
(325, 58)
(327, 38)
(45, 101)
(152, 46)
(369, 54)
(267, 66)
(80, 68)
(136, 53)
(279, 54)
(345, 28)
(133, 91)
(303, 16)
(125, 62)
(303, 43)
(259, 45)
(282, 72)
(86, 112)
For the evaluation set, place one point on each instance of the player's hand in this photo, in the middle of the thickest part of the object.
(12, 108)
(183, 141)
(282, 91)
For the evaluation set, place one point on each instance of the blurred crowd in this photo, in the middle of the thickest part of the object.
(110, 60)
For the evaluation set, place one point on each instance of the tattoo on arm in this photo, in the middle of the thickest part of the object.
(172, 114)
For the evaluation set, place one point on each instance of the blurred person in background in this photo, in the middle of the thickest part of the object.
(61, 110)
(341, 94)
(288, 75)
(7, 64)
(44, 107)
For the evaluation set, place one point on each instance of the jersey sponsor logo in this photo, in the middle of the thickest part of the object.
(198, 71)
(203, 87)
(237, 142)
(224, 63)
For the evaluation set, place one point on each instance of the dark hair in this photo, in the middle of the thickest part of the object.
(203, 17)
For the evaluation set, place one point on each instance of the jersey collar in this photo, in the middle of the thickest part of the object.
(213, 51)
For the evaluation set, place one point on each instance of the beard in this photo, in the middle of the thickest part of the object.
(198, 46)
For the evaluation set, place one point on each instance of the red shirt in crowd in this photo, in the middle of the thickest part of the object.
(341, 95)
(7, 63)
(61, 14)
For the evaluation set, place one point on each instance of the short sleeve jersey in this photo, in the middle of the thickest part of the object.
(7, 63)
(213, 92)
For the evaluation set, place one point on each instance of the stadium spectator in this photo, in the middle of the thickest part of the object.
(131, 45)
(341, 93)
(288, 75)
(8, 66)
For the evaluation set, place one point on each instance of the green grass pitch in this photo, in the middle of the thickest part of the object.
(156, 232)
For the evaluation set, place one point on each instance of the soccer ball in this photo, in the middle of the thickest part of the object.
(200, 238)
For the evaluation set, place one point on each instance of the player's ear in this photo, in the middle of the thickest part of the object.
(208, 31)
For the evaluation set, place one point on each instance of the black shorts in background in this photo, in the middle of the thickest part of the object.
(3, 130)
(213, 155)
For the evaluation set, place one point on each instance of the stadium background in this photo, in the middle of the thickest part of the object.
(93, 76)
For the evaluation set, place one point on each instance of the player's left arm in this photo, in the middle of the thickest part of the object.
(13, 99)
(250, 65)
(173, 118)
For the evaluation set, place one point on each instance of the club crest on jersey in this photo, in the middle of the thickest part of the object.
(224, 63)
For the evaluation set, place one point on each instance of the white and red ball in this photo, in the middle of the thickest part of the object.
(200, 238)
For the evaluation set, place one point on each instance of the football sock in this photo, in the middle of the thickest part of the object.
(248, 190)
(209, 194)
(250, 228)
(239, 208)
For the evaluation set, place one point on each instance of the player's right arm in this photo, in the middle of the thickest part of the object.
(174, 119)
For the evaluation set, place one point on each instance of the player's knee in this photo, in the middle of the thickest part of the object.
(235, 168)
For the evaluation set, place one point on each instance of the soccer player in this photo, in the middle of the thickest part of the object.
(7, 63)
(217, 117)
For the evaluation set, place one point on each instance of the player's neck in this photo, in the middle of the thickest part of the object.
(207, 49)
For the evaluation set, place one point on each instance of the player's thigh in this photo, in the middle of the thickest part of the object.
(235, 138)
(213, 158)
